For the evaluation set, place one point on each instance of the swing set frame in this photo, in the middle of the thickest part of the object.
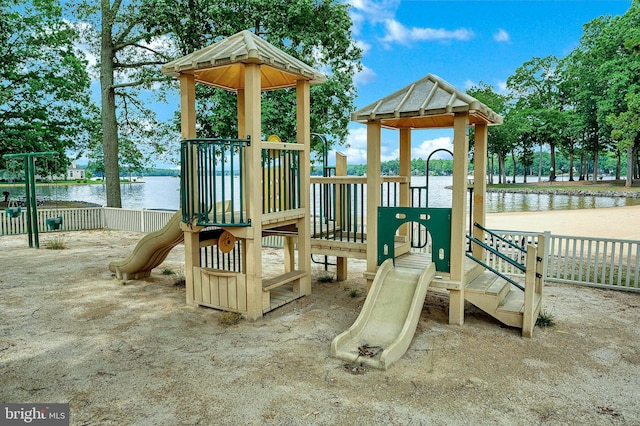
(30, 191)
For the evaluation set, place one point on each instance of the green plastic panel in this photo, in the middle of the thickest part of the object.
(436, 220)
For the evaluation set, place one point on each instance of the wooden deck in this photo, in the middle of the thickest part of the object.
(442, 279)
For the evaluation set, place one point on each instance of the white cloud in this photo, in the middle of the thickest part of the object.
(428, 146)
(356, 149)
(365, 76)
(502, 87)
(372, 10)
(398, 33)
(502, 36)
(363, 45)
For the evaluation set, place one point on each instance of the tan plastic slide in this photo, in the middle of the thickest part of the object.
(385, 327)
(150, 251)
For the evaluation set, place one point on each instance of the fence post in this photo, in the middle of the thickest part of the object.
(142, 220)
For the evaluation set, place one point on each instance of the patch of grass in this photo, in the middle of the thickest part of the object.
(354, 292)
(325, 278)
(56, 243)
(228, 319)
(168, 271)
(179, 280)
(545, 320)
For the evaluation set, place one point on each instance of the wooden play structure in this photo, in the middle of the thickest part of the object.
(433, 103)
(236, 191)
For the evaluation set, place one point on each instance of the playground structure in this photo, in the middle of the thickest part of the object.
(236, 191)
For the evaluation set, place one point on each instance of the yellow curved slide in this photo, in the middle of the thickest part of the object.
(150, 251)
(385, 327)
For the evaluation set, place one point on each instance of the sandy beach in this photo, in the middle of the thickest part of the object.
(614, 222)
(131, 352)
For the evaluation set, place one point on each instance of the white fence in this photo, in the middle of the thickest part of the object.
(597, 262)
(89, 218)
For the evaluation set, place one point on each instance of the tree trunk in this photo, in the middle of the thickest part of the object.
(571, 165)
(552, 162)
(618, 163)
(630, 163)
(513, 159)
(502, 175)
(595, 165)
(109, 122)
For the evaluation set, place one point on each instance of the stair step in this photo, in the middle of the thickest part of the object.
(489, 283)
(513, 302)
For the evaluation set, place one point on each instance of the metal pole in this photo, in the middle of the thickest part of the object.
(27, 198)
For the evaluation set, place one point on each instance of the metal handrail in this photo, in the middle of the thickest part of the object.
(500, 274)
(493, 234)
(497, 253)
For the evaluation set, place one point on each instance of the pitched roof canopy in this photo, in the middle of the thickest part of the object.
(220, 64)
(428, 103)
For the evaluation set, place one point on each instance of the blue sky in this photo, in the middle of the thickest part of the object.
(463, 42)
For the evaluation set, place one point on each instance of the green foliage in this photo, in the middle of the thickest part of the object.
(44, 84)
(56, 243)
(318, 32)
(545, 320)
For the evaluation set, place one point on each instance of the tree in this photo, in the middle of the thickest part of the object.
(537, 88)
(129, 56)
(44, 86)
(604, 73)
(318, 32)
(500, 139)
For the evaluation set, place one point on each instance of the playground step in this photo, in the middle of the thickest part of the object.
(490, 284)
(271, 283)
(497, 297)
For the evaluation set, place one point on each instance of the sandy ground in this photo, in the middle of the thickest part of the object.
(615, 222)
(133, 353)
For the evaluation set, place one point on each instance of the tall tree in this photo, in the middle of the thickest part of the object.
(536, 85)
(317, 32)
(129, 55)
(44, 86)
(500, 138)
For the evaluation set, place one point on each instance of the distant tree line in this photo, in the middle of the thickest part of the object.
(584, 106)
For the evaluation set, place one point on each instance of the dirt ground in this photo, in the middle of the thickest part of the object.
(133, 353)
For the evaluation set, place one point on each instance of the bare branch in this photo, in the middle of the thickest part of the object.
(138, 64)
(137, 83)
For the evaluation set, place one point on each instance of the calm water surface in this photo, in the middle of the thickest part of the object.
(164, 193)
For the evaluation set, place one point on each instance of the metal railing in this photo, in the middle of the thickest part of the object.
(280, 177)
(212, 181)
(521, 251)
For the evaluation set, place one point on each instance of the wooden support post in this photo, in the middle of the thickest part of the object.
(188, 130)
(303, 121)
(405, 171)
(479, 185)
(191, 258)
(373, 195)
(458, 216)
(252, 168)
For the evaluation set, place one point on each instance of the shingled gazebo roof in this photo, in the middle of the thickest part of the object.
(427, 103)
(220, 64)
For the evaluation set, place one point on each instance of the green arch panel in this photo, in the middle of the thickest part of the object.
(436, 220)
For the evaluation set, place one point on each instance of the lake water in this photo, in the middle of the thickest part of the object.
(164, 193)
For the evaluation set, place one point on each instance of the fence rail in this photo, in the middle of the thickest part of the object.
(596, 262)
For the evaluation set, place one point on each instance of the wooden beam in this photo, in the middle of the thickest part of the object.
(405, 171)
(252, 167)
(459, 215)
(303, 137)
(373, 194)
(479, 184)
